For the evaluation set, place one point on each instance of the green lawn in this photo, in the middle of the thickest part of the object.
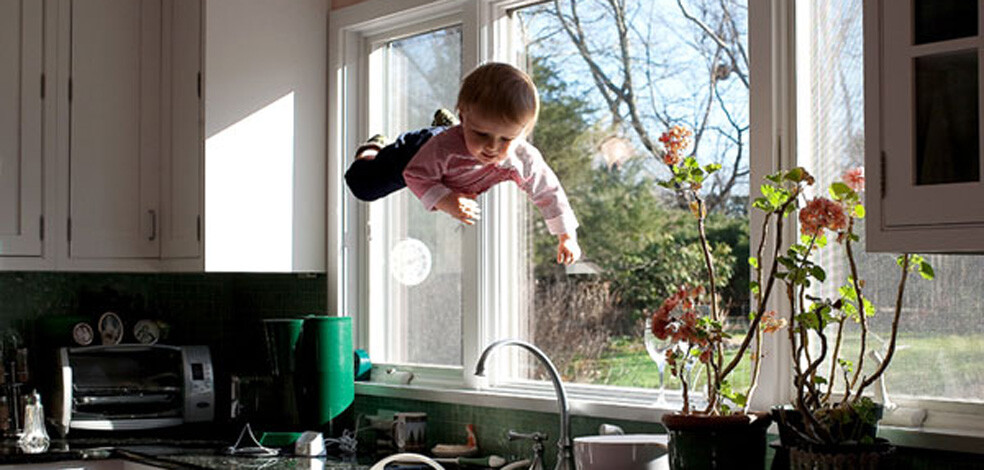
(946, 366)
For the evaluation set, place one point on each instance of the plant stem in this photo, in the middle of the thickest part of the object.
(895, 328)
(718, 356)
(861, 313)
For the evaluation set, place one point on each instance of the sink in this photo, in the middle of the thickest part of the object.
(624, 451)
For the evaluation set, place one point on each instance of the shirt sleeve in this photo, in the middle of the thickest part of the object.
(424, 172)
(544, 189)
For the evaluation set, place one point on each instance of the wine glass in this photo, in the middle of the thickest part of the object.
(657, 351)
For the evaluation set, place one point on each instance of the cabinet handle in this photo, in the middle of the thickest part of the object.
(153, 225)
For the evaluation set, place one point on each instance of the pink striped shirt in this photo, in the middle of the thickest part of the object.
(443, 165)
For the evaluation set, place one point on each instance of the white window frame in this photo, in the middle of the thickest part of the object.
(772, 108)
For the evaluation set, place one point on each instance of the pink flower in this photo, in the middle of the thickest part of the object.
(674, 141)
(854, 178)
(821, 213)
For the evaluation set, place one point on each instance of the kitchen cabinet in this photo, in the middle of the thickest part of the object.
(923, 123)
(134, 117)
(101, 135)
(21, 82)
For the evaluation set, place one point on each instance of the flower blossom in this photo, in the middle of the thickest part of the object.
(822, 213)
(674, 141)
(854, 178)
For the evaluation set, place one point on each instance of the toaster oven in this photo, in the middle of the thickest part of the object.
(132, 387)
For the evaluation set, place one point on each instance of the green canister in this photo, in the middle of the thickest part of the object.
(326, 374)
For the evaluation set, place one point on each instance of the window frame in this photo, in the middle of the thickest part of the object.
(485, 23)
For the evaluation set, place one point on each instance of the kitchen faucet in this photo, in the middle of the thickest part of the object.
(564, 446)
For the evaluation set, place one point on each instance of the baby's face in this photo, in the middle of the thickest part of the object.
(489, 140)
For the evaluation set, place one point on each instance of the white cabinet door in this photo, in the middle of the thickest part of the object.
(182, 164)
(923, 62)
(21, 68)
(115, 129)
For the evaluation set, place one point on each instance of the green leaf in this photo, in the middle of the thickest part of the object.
(818, 273)
(775, 177)
(754, 286)
(840, 191)
(819, 380)
(869, 308)
(859, 211)
(926, 271)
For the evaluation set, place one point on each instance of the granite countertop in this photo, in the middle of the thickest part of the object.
(172, 454)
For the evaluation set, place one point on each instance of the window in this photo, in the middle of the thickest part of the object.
(639, 241)
(414, 257)
(497, 280)
(941, 339)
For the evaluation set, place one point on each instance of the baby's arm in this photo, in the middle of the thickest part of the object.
(544, 189)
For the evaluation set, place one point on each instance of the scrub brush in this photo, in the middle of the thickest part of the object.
(458, 450)
(492, 461)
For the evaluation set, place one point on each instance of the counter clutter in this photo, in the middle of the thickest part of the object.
(166, 454)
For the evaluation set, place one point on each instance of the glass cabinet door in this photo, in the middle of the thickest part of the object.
(930, 113)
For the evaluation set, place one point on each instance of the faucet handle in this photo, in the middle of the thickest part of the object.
(537, 437)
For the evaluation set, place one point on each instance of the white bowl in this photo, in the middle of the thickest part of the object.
(622, 452)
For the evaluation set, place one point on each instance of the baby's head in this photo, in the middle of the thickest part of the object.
(498, 104)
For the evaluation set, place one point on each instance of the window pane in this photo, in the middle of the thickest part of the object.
(939, 20)
(941, 339)
(639, 241)
(415, 255)
(947, 126)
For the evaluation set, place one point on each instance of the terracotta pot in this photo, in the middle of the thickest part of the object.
(842, 457)
(710, 442)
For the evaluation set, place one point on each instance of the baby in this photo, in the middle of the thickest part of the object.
(448, 167)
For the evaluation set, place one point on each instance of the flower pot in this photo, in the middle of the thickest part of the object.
(709, 442)
(842, 457)
(791, 431)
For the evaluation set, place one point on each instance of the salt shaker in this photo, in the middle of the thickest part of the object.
(35, 439)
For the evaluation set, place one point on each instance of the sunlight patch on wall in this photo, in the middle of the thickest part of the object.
(249, 185)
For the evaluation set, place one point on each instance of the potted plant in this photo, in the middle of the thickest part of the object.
(830, 417)
(721, 432)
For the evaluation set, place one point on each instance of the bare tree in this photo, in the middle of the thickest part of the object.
(606, 34)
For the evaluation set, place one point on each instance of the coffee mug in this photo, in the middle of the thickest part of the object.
(410, 431)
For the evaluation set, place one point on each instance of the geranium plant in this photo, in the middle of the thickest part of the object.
(829, 386)
(694, 324)
(691, 319)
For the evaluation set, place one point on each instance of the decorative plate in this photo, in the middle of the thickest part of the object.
(83, 334)
(146, 331)
(110, 328)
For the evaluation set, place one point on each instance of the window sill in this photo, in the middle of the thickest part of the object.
(538, 399)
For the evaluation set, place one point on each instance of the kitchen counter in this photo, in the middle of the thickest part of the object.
(170, 454)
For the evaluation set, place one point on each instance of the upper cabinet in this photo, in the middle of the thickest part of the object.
(137, 136)
(923, 131)
(21, 88)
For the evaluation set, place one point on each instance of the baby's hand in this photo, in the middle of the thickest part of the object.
(568, 250)
(461, 206)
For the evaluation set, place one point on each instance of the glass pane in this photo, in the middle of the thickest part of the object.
(947, 125)
(415, 255)
(939, 20)
(941, 337)
(639, 241)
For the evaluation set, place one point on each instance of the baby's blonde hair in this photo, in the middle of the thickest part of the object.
(500, 91)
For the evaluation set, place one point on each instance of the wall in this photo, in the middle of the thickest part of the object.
(265, 130)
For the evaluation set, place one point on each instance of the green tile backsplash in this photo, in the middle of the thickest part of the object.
(222, 310)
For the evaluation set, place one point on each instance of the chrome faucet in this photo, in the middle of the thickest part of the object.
(565, 460)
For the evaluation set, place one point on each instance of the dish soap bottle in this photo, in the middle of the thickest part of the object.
(35, 439)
